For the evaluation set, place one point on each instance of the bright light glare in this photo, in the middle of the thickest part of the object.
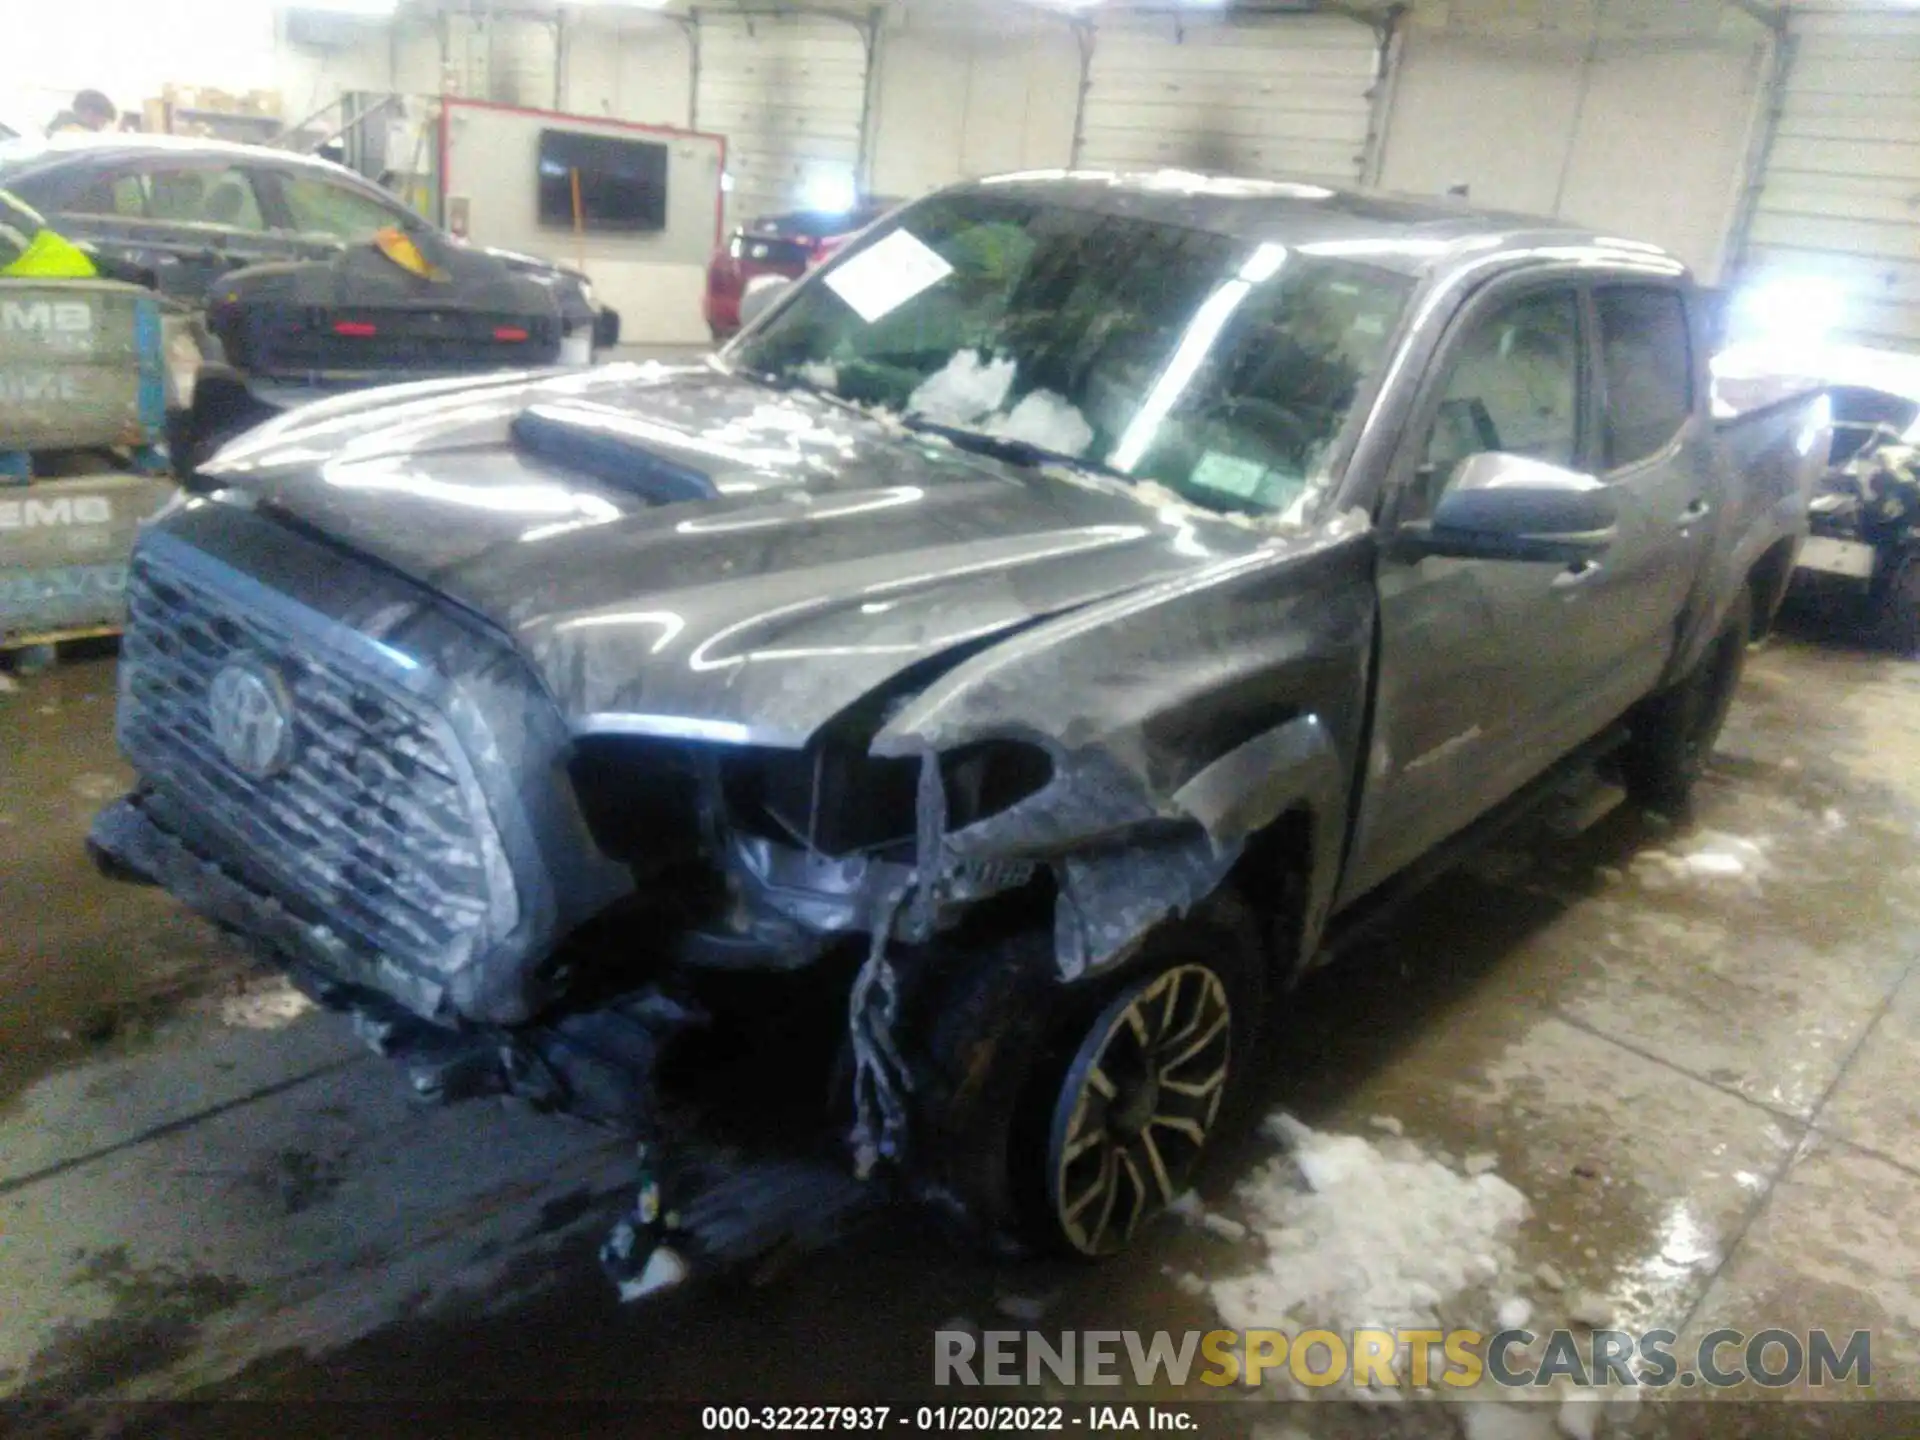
(1201, 333)
(1264, 264)
(831, 192)
(1802, 309)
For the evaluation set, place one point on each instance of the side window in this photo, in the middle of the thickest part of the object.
(320, 207)
(1513, 387)
(122, 196)
(204, 197)
(1647, 358)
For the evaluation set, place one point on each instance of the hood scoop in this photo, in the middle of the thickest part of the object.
(610, 446)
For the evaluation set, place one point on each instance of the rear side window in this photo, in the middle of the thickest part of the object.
(1647, 358)
(200, 196)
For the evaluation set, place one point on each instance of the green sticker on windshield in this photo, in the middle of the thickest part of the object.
(1229, 475)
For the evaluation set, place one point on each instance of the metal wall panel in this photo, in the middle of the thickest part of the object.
(1273, 96)
(790, 95)
(523, 59)
(1644, 138)
(1840, 192)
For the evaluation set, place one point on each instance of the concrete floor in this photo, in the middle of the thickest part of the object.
(1693, 1049)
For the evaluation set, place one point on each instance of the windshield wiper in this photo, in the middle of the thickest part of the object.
(1006, 447)
(1024, 453)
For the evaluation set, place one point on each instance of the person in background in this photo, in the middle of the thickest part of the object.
(90, 111)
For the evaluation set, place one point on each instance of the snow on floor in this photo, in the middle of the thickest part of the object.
(1711, 856)
(1362, 1235)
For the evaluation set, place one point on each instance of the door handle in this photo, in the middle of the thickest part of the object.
(1578, 573)
(1695, 513)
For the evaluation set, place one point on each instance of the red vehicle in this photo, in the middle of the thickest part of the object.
(783, 245)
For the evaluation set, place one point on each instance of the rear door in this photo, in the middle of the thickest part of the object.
(1487, 668)
(1659, 460)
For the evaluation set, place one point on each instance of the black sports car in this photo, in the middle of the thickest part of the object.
(188, 212)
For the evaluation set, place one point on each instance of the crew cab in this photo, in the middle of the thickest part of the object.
(1047, 629)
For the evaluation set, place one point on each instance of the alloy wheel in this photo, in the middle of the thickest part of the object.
(1137, 1105)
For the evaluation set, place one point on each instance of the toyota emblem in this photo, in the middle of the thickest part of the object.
(252, 716)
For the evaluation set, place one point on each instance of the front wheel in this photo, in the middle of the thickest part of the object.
(1138, 1104)
(1675, 730)
(1064, 1117)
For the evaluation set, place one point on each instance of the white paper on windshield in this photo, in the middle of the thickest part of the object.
(885, 276)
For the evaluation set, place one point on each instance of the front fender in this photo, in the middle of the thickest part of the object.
(1181, 720)
(1295, 768)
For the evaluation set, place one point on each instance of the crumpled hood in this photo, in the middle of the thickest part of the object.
(836, 553)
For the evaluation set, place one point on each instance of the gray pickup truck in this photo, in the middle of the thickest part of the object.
(1043, 634)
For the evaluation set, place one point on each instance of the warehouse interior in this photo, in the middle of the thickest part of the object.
(1631, 1062)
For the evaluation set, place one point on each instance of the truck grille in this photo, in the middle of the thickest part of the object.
(365, 824)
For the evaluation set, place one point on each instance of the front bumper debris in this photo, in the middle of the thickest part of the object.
(695, 1212)
(598, 1065)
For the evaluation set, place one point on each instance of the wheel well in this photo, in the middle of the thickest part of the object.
(1768, 581)
(1271, 878)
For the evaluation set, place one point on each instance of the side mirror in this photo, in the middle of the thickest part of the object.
(760, 296)
(1508, 507)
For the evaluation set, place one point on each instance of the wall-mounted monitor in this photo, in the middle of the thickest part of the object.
(622, 184)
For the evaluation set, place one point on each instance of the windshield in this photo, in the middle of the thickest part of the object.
(1223, 370)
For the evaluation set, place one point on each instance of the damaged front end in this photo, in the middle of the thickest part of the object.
(584, 737)
(380, 797)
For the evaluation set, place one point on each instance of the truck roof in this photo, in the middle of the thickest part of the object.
(1406, 233)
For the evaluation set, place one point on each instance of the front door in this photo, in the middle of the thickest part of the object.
(318, 216)
(1487, 667)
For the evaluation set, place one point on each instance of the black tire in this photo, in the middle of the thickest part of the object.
(1010, 1047)
(1897, 607)
(1674, 731)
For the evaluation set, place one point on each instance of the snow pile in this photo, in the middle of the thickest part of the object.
(272, 1005)
(1045, 419)
(1713, 857)
(973, 390)
(970, 386)
(1361, 1236)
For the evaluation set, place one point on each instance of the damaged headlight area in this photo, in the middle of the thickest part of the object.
(771, 855)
